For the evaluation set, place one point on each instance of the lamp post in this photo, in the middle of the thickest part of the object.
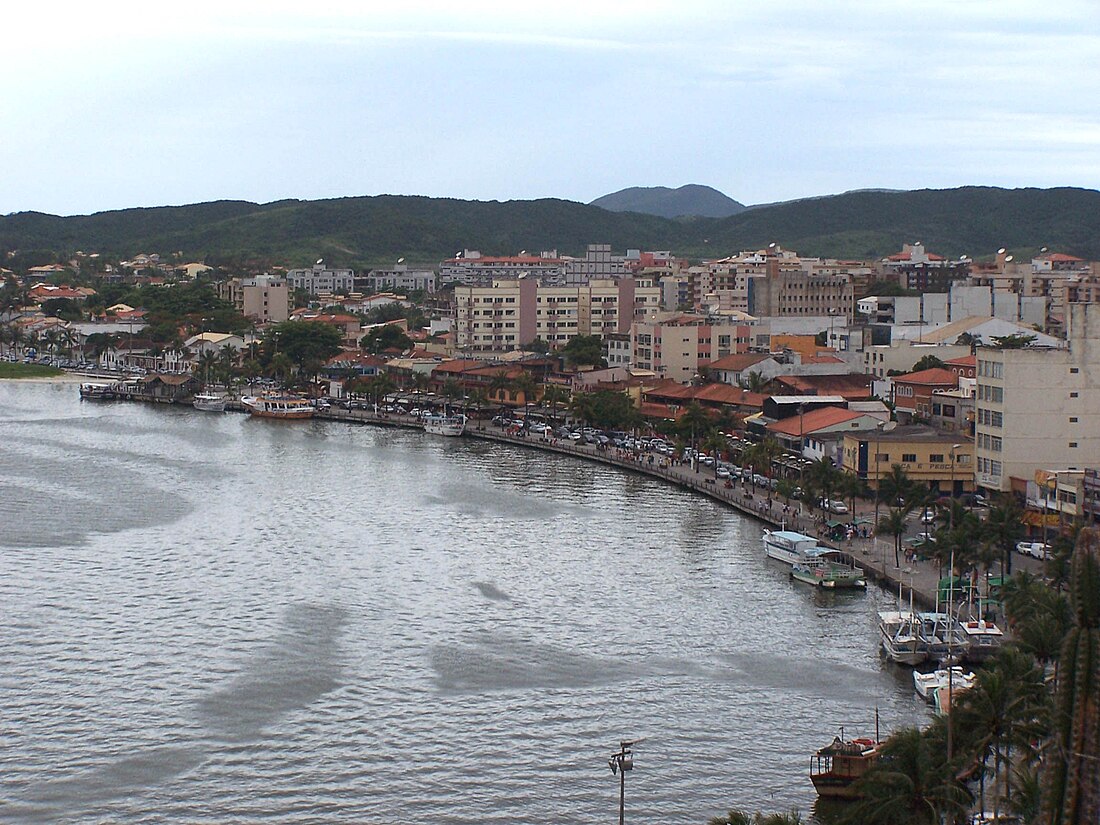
(950, 599)
(620, 762)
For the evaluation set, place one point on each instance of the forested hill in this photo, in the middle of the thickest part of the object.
(377, 230)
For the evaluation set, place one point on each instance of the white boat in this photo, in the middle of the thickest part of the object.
(928, 683)
(438, 424)
(822, 567)
(788, 546)
(984, 639)
(901, 640)
(943, 636)
(209, 403)
(97, 392)
(278, 406)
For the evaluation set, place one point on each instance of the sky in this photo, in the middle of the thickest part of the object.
(112, 105)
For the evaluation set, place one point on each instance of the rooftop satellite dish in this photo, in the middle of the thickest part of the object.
(1001, 251)
(523, 252)
(320, 260)
(918, 243)
(1044, 249)
(1008, 258)
(401, 260)
(771, 245)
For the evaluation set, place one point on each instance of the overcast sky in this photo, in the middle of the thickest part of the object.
(110, 105)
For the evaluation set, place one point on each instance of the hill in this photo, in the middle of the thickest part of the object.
(692, 200)
(370, 231)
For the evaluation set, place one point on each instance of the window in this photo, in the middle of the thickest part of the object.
(1073, 395)
(1073, 419)
(1073, 444)
(908, 458)
(882, 458)
(936, 458)
(1073, 370)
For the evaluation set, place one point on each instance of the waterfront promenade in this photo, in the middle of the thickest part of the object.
(875, 557)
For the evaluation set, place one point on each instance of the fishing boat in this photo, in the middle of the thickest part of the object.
(275, 405)
(208, 402)
(984, 639)
(823, 567)
(942, 636)
(440, 424)
(901, 641)
(93, 391)
(788, 546)
(835, 768)
(928, 683)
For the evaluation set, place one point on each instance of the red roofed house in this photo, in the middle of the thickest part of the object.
(965, 367)
(351, 328)
(849, 386)
(913, 392)
(819, 433)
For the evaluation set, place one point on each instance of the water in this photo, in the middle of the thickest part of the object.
(210, 618)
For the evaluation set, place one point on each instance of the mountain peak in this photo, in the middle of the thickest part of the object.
(692, 199)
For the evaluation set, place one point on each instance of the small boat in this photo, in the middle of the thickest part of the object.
(928, 683)
(901, 641)
(822, 567)
(97, 392)
(984, 639)
(275, 405)
(209, 403)
(450, 425)
(835, 768)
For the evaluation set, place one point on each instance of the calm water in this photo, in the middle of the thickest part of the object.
(208, 618)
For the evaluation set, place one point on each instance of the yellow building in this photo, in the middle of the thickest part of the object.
(943, 461)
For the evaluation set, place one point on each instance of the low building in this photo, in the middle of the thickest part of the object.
(943, 461)
(913, 391)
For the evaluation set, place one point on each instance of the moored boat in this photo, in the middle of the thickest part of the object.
(942, 636)
(275, 405)
(450, 425)
(94, 391)
(823, 567)
(984, 639)
(927, 684)
(901, 639)
(209, 402)
(835, 768)
(788, 546)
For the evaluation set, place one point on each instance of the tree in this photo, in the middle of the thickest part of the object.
(753, 381)
(1016, 341)
(584, 350)
(893, 524)
(554, 396)
(536, 345)
(304, 340)
(911, 783)
(928, 362)
(389, 336)
(1003, 526)
(499, 385)
(525, 385)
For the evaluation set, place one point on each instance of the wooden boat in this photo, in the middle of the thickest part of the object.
(835, 768)
(290, 407)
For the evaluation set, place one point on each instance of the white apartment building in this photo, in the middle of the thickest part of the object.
(266, 298)
(399, 278)
(676, 347)
(511, 313)
(320, 278)
(471, 268)
(1039, 407)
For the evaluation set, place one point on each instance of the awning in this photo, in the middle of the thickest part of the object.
(835, 523)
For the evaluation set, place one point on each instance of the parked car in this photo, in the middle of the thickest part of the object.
(925, 538)
(722, 472)
(928, 516)
(838, 507)
(1035, 549)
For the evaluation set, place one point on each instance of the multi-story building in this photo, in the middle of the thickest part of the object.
(913, 391)
(320, 278)
(1038, 407)
(265, 298)
(511, 313)
(786, 291)
(471, 268)
(399, 277)
(677, 347)
(918, 269)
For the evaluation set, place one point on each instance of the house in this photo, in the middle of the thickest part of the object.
(913, 391)
(820, 432)
(736, 368)
(850, 386)
(213, 342)
(174, 389)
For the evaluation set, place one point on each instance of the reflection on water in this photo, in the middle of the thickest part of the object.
(215, 619)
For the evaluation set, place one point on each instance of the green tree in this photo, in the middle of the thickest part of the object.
(928, 362)
(893, 524)
(303, 340)
(388, 337)
(584, 350)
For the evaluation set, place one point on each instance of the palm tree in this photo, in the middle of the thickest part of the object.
(227, 356)
(451, 390)
(910, 784)
(206, 364)
(897, 489)
(528, 386)
(1003, 526)
(554, 396)
(479, 400)
(821, 478)
(499, 385)
(893, 524)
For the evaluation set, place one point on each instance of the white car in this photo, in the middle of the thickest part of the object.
(838, 507)
(1035, 549)
(928, 516)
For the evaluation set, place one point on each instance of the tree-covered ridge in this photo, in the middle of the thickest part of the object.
(364, 231)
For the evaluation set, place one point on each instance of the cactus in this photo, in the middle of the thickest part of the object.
(1073, 786)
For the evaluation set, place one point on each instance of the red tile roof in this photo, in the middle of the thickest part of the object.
(965, 361)
(936, 375)
(850, 386)
(738, 361)
(814, 420)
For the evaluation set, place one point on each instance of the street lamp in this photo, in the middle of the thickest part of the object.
(620, 762)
